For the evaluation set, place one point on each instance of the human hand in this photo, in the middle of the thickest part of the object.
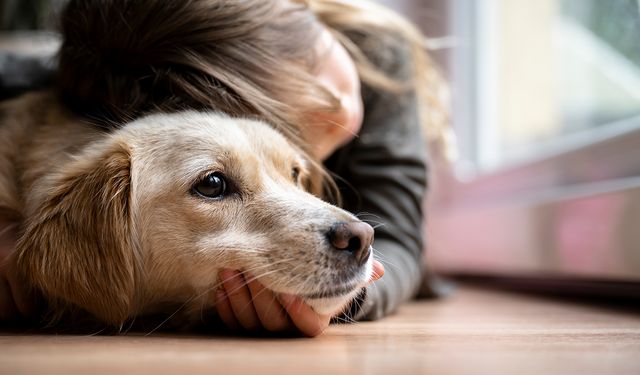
(244, 303)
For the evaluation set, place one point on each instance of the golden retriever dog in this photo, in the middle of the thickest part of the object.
(138, 220)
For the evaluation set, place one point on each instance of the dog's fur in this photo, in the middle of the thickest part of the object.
(110, 223)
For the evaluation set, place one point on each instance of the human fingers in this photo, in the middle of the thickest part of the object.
(306, 320)
(271, 313)
(225, 312)
(239, 298)
(378, 271)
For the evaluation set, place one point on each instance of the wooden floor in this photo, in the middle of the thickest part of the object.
(473, 331)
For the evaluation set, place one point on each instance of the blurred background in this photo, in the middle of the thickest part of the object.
(545, 104)
(546, 109)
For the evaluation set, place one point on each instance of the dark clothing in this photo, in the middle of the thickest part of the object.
(384, 172)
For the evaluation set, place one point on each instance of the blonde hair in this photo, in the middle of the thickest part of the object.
(123, 58)
(364, 17)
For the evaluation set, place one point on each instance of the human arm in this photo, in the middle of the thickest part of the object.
(385, 178)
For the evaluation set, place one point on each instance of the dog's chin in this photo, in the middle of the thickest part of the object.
(334, 302)
(332, 305)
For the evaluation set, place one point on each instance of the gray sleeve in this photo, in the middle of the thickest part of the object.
(386, 177)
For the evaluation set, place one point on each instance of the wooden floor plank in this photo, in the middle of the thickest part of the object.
(473, 331)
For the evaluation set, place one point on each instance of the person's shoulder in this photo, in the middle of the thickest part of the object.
(389, 51)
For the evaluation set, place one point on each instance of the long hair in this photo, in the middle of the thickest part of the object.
(373, 21)
(123, 58)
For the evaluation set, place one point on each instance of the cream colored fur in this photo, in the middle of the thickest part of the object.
(110, 224)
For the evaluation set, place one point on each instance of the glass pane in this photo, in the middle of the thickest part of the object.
(599, 61)
(556, 68)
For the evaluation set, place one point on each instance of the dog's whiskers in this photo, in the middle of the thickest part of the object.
(96, 333)
(254, 278)
(216, 286)
(377, 255)
(236, 249)
(246, 281)
(130, 325)
(362, 214)
(259, 267)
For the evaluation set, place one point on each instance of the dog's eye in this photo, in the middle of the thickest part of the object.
(212, 185)
(295, 174)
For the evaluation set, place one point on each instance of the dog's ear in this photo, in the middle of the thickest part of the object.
(77, 247)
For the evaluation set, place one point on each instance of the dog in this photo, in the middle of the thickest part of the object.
(124, 223)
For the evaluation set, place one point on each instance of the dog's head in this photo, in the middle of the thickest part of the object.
(148, 215)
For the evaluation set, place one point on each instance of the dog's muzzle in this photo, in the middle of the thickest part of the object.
(354, 238)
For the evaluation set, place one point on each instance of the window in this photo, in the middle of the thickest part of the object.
(548, 75)
(546, 107)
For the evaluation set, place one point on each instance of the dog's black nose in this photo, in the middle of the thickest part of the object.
(355, 237)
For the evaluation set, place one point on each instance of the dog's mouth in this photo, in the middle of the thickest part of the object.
(332, 292)
(344, 287)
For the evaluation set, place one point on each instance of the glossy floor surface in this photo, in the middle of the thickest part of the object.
(473, 331)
